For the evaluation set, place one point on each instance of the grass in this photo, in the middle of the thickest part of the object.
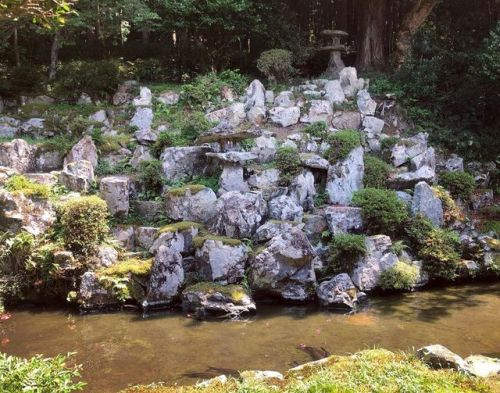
(29, 188)
(180, 226)
(182, 191)
(235, 292)
(158, 88)
(370, 371)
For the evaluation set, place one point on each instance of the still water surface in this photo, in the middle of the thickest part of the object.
(124, 348)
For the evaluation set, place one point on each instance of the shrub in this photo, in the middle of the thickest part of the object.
(149, 70)
(84, 223)
(401, 276)
(341, 144)
(288, 163)
(193, 125)
(151, 176)
(376, 172)
(345, 250)
(39, 375)
(99, 79)
(382, 210)
(23, 80)
(29, 188)
(460, 184)
(276, 65)
(318, 129)
(165, 139)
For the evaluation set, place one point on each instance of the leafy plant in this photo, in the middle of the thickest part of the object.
(376, 172)
(460, 184)
(276, 65)
(288, 163)
(401, 276)
(318, 129)
(19, 183)
(341, 144)
(151, 176)
(345, 250)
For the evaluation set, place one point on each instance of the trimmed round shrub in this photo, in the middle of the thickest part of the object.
(84, 223)
(288, 163)
(382, 210)
(460, 184)
(376, 172)
(276, 64)
(151, 176)
(401, 276)
(318, 129)
(345, 250)
(341, 144)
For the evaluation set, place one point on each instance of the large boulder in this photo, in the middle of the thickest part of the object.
(366, 105)
(302, 189)
(178, 237)
(207, 298)
(85, 149)
(255, 95)
(264, 179)
(320, 110)
(167, 277)
(181, 162)
(349, 82)
(93, 296)
(265, 148)
(145, 98)
(378, 259)
(285, 99)
(285, 208)
(271, 229)
(346, 177)
(425, 202)
(427, 158)
(222, 260)
(438, 357)
(482, 366)
(406, 180)
(8, 127)
(285, 117)
(239, 214)
(77, 176)
(234, 114)
(142, 119)
(346, 120)
(339, 292)
(17, 154)
(47, 159)
(115, 191)
(343, 219)
(408, 148)
(141, 153)
(191, 204)
(334, 92)
(285, 267)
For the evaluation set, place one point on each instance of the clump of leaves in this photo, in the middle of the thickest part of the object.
(376, 172)
(288, 163)
(151, 176)
(345, 250)
(318, 129)
(401, 276)
(341, 144)
(29, 188)
(460, 184)
(276, 65)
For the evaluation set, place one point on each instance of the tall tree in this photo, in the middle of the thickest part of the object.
(372, 51)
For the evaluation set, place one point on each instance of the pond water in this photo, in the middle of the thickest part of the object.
(124, 348)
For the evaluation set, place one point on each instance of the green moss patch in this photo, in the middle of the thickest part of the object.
(180, 227)
(136, 266)
(182, 191)
(29, 188)
(198, 241)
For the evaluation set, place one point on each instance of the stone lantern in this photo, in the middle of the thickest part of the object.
(335, 64)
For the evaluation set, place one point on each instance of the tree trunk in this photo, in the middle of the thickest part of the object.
(15, 45)
(145, 35)
(54, 55)
(412, 20)
(371, 51)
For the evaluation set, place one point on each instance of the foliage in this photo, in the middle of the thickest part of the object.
(451, 211)
(208, 181)
(84, 223)
(38, 375)
(288, 163)
(276, 65)
(318, 129)
(341, 144)
(29, 188)
(150, 174)
(15, 81)
(99, 79)
(345, 250)
(382, 210)
(46, 13)
(321, 199)
(138, 267)
(401, 276)
(460, 184)
(376, 172)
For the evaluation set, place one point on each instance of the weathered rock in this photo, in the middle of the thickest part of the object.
(181, 162)
(408, 148)
(482, 366)
(141, 153)
(378, 259)
(124, 236)
(372, 128)
(350, 82)
(302, 190)
(106, 256)
(482, 198)
(346, 177)
(239, 214)
(179, 238)
(265, 179)
(85, 149)
(48, 179)
(145, 98)
(167, 277)
(115, 191)
(269, 96)
(124, 93)
(8, 127)
(255, 375)
(148, 210)
(366, 105)
(84, 99)
(271, 229)
(285, 117)
(405, 197)
(285, 267)
(101, 117)
(314, 161)
(144, 237)
(427, 158)
(191, 205)
(47, 159)
(339, 292)
(343, 219)
(320, 110)
(169, 98)
(142, 119)
(334, 92)
(346, 120)
(265, 148)
(33, 127)
(406, 180)
(93, 296)
(314, 226)
(17, 154)
(285, 99)
(438, 357)
(77, 176)
(285, 208)
(234, 114)
(454, 164)
(225, 132)
(255, 95)
(222, 262)
(207, 298)
(257, 115)
(427, 204)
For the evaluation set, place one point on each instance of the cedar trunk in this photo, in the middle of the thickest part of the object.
(372, 53)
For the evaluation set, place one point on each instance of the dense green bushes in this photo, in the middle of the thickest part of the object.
(38, 375)
(276, 65)
(459, 184)
(341, 144)
(318, 129)
(288, 163)
(151, 176)
(376, 172)
(345, 249)
(401, 276)
(84, 223)
(382, 210)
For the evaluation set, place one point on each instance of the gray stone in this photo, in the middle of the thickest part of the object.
(427, 158)
(234, 114)
(482, 198)
(343, 219)
(145, 98)
(101, 117)
(406, 180)
(115, 191)
(334, 92)
(302, 190)
(231, 179)
(378, 259)
(125, 236)
(320, 110)
(408, 148)
(225, 132)
(285, 208)
(373, 126)
(93, 296)
(17, 154)
(255, 95)
(425, 202)
(285, 117)
(239, 214)
(181, 162)
(223, 263)
(180, 240)
(169, 98)
(454, 164)
(271, 229)
(285, 267)
(265, 179)
(144, 237)
(47, 159)
(438, 357)
(482, 366)
(366, 105)
(339, 292)
(8, 127)
(84, 99)
(197, 206)
(269, 96)
(142, 119)
(148, 210)
(167, 278)
(85, 149)
(346, 177)
(77, 176)
(346, 120)
(314, 161)
(34, 126)
(285, 99)
(350, 82)
(106, 256)
(257, 115)
(405, 197)
(141, 153)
